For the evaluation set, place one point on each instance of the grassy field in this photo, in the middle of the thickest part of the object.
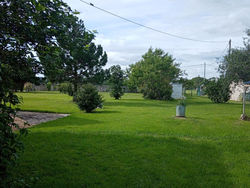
(137, 143)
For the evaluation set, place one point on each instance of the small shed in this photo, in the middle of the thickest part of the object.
(177, 91)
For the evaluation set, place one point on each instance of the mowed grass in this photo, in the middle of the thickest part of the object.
(135, 142)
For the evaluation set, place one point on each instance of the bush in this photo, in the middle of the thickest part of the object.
(116, 80)
(88, 99)
(48, 85)
(66, 88)
(154, 90)
(218, 91)
(116, 92)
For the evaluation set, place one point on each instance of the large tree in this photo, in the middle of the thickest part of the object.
(153, 74)
(236, 65)
(27, 28)
(77, 60)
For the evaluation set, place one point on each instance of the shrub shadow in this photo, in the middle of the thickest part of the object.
(104, 111)
(68, 121)
(136, 103)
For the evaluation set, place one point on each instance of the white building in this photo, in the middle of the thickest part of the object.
(237, 90)
(177, 91)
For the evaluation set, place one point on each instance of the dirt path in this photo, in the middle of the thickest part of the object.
(34, 118)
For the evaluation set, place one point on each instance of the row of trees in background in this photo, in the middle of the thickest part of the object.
(152, 76)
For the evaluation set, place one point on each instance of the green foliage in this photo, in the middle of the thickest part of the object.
(66, 88)
(218, 90)
(187, 84)
(182, 102)
(10, 141)
(117, 81)
(129, 82)
(236, 66)
(48, 85)
(88, 99)
(78, 60)
(153, 74)
(198, 81)
(28, 28)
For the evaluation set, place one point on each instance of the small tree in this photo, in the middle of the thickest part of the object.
(88, 99)
(218, 90)
(117, 81)
(49, 85)
(153, 74)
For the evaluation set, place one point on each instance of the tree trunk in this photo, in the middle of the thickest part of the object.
(75, 87)
(22, 86)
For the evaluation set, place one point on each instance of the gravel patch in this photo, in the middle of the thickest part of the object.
(34, 118)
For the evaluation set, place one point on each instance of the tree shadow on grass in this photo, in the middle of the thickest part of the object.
(105, 111)
(136, 103)
(206, 101)
(65, 159)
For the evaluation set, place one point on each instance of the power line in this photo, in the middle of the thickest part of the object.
(224, 49)
(151, 28)
(192, 65)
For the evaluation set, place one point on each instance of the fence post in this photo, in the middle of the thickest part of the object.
(244, 100)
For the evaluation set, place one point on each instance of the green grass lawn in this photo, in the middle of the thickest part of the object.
(136, 143)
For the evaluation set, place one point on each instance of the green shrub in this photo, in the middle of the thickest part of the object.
(182, 102)
(66, 88)
(48, 85)
(63, 88)
(116, 91)
(88, 99)
(154, 90)
(218, 91)
(117, 81)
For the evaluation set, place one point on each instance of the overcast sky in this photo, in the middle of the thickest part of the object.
(125, 43)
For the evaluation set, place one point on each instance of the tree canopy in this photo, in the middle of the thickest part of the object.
(153, 74)
(38, 36)
(78, 59)
(236, 65)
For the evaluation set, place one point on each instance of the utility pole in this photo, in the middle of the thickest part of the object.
(204, 71)
(230, 46)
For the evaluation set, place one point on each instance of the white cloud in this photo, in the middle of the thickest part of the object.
(206, 20)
